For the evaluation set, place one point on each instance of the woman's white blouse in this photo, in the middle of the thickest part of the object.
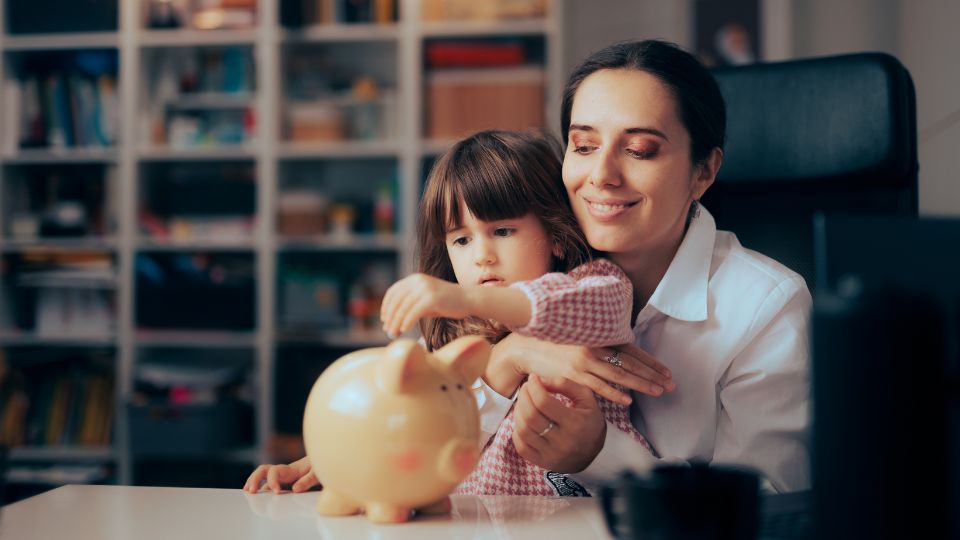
(732, 325)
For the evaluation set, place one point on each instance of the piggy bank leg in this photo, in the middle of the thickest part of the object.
(443, 506)
(387, 513)
(331, 503)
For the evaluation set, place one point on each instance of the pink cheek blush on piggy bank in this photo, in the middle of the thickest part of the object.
(394, 429)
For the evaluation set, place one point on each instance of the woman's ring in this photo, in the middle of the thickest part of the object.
(614, 359)
(547, 430)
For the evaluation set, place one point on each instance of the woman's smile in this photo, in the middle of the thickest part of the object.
(607, 209)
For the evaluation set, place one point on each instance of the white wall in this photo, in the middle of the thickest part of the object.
(590, 25)
(929, 47)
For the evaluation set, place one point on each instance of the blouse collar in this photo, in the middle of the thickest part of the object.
(682, 293)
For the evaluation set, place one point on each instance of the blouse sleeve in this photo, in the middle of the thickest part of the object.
(589, 306)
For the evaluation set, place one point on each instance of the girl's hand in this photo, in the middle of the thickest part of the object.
(417, 296)
(517, 356)
(298, 476)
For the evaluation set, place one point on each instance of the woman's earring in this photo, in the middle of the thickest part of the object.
(557, 250)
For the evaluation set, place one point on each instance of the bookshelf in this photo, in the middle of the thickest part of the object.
(364, 181)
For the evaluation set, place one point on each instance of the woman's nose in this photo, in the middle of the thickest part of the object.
(606, 171)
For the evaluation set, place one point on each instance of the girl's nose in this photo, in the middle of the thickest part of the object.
(606, 171)
(484, 253)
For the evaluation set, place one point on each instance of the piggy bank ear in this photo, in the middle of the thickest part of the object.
(466, 356)
(401, 368)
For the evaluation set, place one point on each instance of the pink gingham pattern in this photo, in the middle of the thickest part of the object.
(588, 306)
(501, 470)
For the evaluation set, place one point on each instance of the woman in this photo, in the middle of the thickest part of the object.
(644, 125)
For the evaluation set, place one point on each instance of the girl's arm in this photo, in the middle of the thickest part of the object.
(589, 306)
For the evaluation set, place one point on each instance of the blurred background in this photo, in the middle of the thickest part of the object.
(203, 201)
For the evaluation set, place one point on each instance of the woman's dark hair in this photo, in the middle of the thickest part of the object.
(701, 106)
(498, 175)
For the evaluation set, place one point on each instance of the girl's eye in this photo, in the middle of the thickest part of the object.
(460, 241)
(504, 231)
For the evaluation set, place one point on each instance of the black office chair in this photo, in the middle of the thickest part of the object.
(835, 134)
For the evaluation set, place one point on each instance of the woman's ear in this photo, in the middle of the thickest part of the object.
(707, 172)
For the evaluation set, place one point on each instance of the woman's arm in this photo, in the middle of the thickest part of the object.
(516, 356)
(765, 395)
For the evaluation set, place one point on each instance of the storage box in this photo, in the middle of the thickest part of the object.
(462, 101)
(163, 429)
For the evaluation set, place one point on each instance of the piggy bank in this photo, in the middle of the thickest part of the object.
(394, 429)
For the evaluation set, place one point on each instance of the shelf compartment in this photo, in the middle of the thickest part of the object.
(194, 338)
(338, 150)
(495, 28)
(65, 41)
(193, 38)
(17, 245)
(319, 33)
(353, 242)
(206, 153)
(94, 454)
(60, 155)
(13, 338)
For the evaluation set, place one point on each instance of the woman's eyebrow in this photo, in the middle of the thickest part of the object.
(629, 131)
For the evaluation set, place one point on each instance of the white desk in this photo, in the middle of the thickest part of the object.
(145, 513)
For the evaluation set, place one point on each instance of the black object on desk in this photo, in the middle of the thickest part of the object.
(684, 502)
(886, 378)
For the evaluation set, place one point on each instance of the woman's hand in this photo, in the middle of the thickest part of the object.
(517, 356)
(553, 435)
(298, 476)
(417, 296)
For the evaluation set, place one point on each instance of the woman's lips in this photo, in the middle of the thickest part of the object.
(607, 210)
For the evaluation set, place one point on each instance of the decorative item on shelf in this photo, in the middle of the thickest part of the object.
(163, 14)
(223, 14)
(301, 212)
(407, 433)
(383, 210)
(358, 308)
(342, 218)
(366, 118)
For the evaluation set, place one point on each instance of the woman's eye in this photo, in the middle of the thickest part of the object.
(584, 149)
(504, 231)
(645, 153)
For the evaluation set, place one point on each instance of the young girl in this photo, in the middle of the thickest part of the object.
(500, 251)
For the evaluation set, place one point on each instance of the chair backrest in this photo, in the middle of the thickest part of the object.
(836, 135)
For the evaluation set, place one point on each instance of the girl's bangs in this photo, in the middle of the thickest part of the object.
(489, 192)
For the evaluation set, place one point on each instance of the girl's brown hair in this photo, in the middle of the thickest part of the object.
(498, 175)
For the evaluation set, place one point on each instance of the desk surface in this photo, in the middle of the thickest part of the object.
(145, 513)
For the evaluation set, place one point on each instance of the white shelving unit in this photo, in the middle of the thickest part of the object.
(269, 155)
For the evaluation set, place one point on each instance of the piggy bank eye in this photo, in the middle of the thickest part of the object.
(443, 387)
(459, 386)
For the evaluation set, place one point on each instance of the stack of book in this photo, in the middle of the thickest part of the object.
(75, 104)
(297, 13)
